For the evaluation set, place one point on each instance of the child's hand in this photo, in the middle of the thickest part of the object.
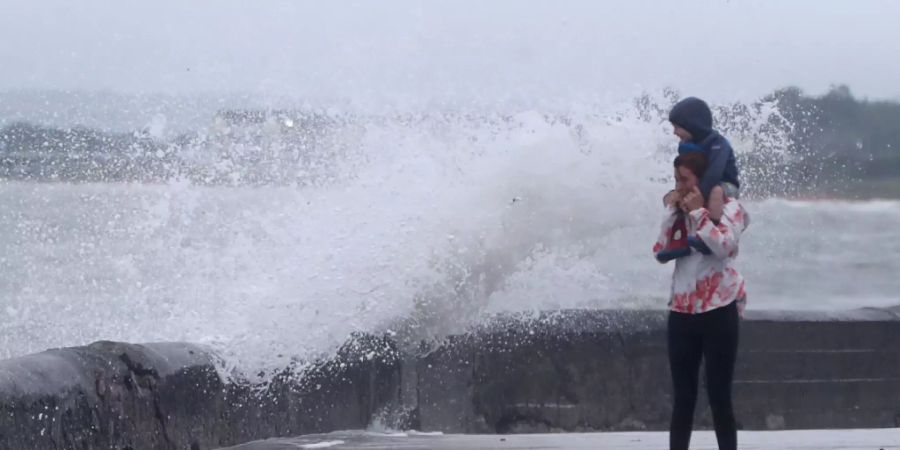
(692, 201)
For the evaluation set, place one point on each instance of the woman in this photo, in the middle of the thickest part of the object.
(706, 302)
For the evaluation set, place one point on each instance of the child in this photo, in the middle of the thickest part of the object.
(692, 120)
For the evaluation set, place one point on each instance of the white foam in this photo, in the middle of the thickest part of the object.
(433, 222)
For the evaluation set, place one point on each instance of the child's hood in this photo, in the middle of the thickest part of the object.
(693, 115)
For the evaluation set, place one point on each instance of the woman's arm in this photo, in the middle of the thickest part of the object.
(722, 238)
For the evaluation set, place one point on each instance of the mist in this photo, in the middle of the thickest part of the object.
(418, 54)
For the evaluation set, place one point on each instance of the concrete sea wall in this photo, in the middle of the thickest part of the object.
(562, 371)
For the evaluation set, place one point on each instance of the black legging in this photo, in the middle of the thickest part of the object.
(713, 336)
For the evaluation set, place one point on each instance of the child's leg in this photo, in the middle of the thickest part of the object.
(716, 203)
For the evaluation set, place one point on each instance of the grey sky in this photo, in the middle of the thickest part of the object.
(451, 49)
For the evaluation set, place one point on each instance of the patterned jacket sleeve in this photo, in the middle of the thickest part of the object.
(665, 230)
(722, 239)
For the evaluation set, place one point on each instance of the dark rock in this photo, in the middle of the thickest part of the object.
(170, 396)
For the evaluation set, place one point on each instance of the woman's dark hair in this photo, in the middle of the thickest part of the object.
(694, 161)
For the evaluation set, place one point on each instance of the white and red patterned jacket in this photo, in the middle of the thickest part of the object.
(701, 282)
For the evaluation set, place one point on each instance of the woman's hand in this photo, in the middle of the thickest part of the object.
(692, 201)
(672, 199)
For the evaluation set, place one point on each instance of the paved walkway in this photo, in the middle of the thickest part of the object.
(882, 439)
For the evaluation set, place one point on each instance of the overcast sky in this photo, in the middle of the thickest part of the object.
(452, 49)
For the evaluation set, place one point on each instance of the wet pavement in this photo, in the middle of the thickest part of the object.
(881, 439)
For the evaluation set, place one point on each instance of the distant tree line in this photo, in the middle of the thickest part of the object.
(34, 152)
(841, 144)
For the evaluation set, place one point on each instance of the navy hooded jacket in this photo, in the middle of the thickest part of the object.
(694, 115)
